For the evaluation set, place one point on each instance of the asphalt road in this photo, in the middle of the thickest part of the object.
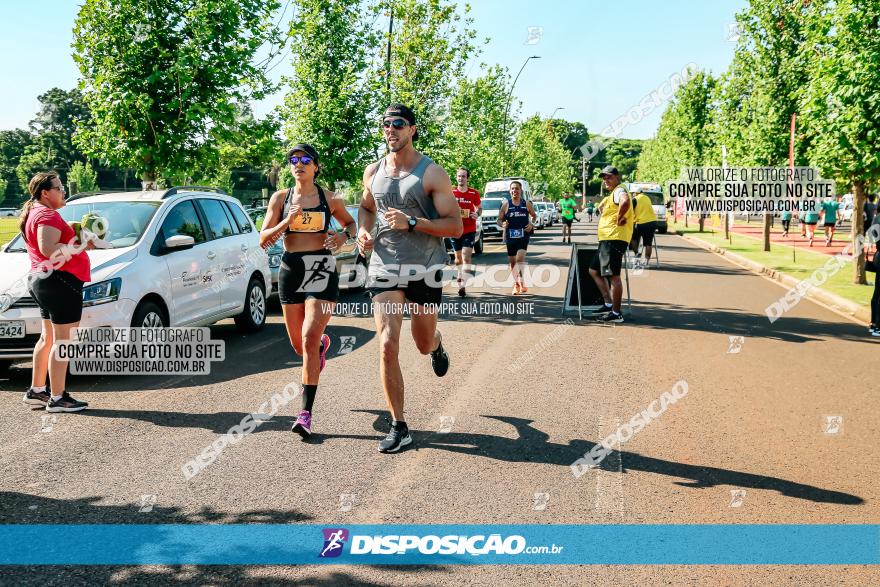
(754, 420)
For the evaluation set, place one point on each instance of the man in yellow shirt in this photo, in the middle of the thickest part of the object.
(646, 222)
(615, 233)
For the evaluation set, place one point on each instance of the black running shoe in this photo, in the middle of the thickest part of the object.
(461, 292)
(65, 404)
(36, 398)
(397, 438)
(602, 310)
(440, 360)
(612, 317)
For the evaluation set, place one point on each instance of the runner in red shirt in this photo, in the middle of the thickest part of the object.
(469, 202)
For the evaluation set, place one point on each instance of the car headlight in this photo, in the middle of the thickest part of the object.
(102, 292)
(274, 261)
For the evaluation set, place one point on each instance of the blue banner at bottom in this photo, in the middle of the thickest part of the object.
(277, 544)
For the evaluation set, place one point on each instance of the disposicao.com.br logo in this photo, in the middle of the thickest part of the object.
(453, 544)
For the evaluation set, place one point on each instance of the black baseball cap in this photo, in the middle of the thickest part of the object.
(404, 112)
(305, 148)
(609, 170)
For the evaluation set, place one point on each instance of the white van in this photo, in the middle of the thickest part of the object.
(655, 192)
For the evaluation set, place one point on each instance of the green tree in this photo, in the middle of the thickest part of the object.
(162, 77)
(13, 144)
(430, 46)
(56, 123)
(84, 177)
(251, 144)
(3, 184)
(541, 158)
(476, 115)
(840, 100)
(330, 103)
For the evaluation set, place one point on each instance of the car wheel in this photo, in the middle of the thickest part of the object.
(148, 315)
(478, 246)
(254, 316)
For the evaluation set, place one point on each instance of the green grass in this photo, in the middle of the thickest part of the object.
(780, 259)
(8, 229)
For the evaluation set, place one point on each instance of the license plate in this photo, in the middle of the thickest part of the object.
(12, 329)
(515, 233)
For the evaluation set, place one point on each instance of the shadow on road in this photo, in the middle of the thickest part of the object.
(20, 508)
(246, 354)
(738, 322)
(531, 445)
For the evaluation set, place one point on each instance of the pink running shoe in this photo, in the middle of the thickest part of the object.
(303, 424)
(325, 346)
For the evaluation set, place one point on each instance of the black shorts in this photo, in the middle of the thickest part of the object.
(608, 260)
(308, 274)
(811, 223)
(567, 221)
(831, 224)
(645, 231)
(59, 296)
(517, 244)
(465, 240)
(417, 291)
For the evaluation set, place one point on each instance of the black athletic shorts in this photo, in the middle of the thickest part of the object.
(832, 224)
(417, 291)
(567, 221)
(308, 274)
(517, 244)
(609, 259)
(465, 240)
(59, 296)
(645, 231)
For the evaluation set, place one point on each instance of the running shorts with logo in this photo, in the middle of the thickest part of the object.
(308, 274)
(425, 290)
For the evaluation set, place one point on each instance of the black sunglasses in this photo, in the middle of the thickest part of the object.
(304, 159)
(397, 123)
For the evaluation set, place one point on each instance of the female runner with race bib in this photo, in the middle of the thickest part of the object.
(308, 284)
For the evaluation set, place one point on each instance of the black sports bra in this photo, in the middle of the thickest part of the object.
(315, 220)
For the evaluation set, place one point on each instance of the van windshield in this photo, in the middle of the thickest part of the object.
(494, 204)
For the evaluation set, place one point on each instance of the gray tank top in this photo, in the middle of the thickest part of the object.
(394, 248)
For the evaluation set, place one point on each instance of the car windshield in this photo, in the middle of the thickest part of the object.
(656, 199)
(127, 221)
(494, 204)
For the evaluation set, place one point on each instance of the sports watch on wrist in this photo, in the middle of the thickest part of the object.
(412, 223)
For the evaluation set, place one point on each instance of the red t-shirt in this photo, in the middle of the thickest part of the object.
(468, 202)
(78, 265)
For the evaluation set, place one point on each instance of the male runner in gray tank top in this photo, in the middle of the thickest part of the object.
(408, 198)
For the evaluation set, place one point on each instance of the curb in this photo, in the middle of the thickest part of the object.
(846, 308)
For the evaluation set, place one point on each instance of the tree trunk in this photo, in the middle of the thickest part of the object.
(702, 221)
(767, 218)
(858, 231)
(148, 181)
(726, 226)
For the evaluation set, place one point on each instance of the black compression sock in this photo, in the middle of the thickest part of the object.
(308, 395)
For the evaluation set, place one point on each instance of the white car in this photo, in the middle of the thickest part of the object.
(179, 257)
(9, 213)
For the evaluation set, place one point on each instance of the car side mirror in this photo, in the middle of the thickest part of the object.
(179, 242)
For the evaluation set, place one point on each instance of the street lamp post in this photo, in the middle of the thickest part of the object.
(555, 111)
(506, 110)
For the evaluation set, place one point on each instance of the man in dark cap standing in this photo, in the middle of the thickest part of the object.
(615, 232)
(408, 198)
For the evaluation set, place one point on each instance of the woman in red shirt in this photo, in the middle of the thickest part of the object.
(59, 268)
